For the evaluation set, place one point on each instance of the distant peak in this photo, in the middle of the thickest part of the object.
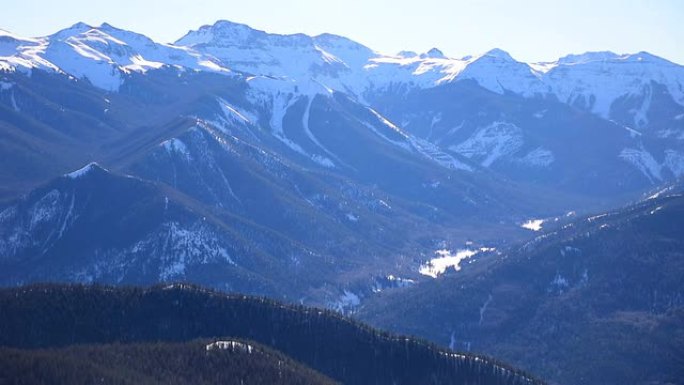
(224, 30)
(74, 30)
(81, 25)
(644, 56)
(227, 24)
(106, 25)
(498, 54)
(83, 171)
(433, 53)
(330, 39)
(223, 27)
(407, 54)
(588, 57)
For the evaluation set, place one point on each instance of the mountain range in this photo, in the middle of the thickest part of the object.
(530, 211)
(247, 161)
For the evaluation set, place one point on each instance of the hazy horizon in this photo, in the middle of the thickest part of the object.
(531, 31)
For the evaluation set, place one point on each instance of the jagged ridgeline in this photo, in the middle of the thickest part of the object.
(53, 316)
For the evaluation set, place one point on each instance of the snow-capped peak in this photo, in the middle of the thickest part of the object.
(433, 53)
(85, 170)
(221, 32)
(587, 57)
(407, 54)
(101, 55)
(595, 80)
(497, 53)
(106, 55)
(74, 30)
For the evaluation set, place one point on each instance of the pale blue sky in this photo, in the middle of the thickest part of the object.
(531, 30)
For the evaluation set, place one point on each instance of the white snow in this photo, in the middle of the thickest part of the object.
(483, 308)
(644, 162)
(175, 145)
(102, 55)
(674, 161)
(45, 209)
(445, 259)
(595, 217)
(305, 124)
(558, 284)
(432, 152)
(569, 250)
(490, 143)
(649, 166)
(13, 101)
(346, 302)
(234, 346)
(400, 282)
(105, 54)
(83, 171)
(183, 246)
(539, 157)
(539, 114)
(401, 141)
(237, 115)
(533, 224)
(659, 193)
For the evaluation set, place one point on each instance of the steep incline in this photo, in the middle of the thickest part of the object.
(598, 301)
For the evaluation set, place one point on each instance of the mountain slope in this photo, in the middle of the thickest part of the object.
(301, 180)
(598, 301)
(44, 316)
(537, 140)
(317, 153)
(73, 230)
(197, 362)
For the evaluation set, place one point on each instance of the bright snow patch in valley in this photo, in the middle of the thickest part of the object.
(533, 224)
(446, 259)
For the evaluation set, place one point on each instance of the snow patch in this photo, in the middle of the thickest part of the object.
(539, 114)
(644, 161)
(539, 157)
(391, 281)
(346, 302)
(237, 115)
(433, 153)
(83, 171)
(559, 284)
(45, 209)
(490, 143)
(234, 346)
(674, 161)
(183, 246)
(533, 224)
(483, 308)
(175, 145)
(446, 259)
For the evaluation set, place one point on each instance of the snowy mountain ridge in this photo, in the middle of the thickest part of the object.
(105, 54)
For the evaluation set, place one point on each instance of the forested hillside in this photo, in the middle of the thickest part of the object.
(344, 350)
